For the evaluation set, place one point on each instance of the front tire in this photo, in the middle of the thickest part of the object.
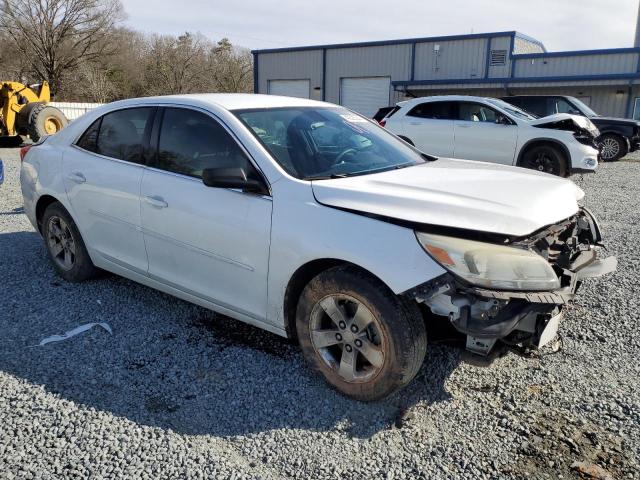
(612, 147)
(365, 341)
(65, 245)
(545, 158)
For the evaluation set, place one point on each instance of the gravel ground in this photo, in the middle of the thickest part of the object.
(177, 392)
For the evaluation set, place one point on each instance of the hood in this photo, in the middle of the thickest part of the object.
(612, 120)
(459, 194)
(566, 121)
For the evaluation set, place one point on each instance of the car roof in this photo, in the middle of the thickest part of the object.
(441, 98)
(538, 96)
(228, 101)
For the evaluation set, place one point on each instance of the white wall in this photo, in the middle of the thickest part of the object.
(73, 110)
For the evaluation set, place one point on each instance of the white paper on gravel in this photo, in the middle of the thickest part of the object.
(74, 332)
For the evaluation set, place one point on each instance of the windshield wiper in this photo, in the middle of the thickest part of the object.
(326, 177)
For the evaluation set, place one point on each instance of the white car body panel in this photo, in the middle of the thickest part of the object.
(236, 252)
(496, 199)
(491, 142)
(104, 194)
(435, 137)
(212, 242)
(486, 142)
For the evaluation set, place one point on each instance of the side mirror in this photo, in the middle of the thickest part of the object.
(232, 178)
(576, 112)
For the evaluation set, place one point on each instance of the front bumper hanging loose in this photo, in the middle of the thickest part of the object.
(526, 319)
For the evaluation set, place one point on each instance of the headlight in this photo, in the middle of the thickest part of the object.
(490, 266)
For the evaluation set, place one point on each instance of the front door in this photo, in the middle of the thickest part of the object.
(481, 134)
(102, 175)
(209, 242)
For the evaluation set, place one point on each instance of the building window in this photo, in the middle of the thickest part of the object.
(498, 58)
(636, 109)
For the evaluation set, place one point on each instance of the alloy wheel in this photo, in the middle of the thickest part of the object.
(348, 338)
(610, 148)
(61, 243)
(543, 162)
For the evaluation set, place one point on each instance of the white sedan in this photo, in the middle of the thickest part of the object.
(311, 222)
(491, 130)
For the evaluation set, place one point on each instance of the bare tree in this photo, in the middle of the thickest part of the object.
(95, 83)
(176, 65)
(231, 68)
(55, 36)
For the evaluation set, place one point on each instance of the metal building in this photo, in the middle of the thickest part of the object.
(367, 76)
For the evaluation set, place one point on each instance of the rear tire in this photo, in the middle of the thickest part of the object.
(545, 158)
(45, 120)
(65, 245)
(612, 147)
(372, 344)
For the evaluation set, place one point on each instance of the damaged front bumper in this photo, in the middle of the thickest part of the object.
(524, 319)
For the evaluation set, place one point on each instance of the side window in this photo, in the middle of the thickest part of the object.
(432, 110)
(476, 112)
(89, 138)
(191, 142)
(562, 106)
(121, 134)
(535, 105)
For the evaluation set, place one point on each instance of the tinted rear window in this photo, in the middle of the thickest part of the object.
(433, 110)
(121, 134)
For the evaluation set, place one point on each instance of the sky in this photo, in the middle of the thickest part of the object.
(559, 24)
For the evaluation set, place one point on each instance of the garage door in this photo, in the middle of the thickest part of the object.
(289, 88)
(365, 95)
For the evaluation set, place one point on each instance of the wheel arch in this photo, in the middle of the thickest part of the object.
(43, 202)
(539, 142)
(301, 278)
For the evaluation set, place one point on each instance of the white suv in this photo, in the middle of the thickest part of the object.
(491, 130)
(312, 222)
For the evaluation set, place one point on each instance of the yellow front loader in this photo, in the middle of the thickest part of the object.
(26, 111)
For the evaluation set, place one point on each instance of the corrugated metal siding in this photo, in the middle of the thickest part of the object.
(385, 61)
(291, 66)
(501, 43)
(577, 65)
(484, 92)
(456, 59)
(458, 86)
(522, 45)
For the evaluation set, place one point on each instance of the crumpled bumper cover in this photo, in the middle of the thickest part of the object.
(523, 317)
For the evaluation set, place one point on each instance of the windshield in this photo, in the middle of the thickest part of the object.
(583, 107)
(511, 109)
(313, 143)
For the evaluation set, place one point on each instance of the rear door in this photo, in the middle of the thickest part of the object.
(480, 135)
(429, 126)
(209, 242)
(102, 174)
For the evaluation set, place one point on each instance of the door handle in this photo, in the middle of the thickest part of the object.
(156, 201)
(464, 125)
(77, 177)
(415, 123)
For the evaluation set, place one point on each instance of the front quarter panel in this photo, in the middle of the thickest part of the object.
(303, 231)
(577, 151)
